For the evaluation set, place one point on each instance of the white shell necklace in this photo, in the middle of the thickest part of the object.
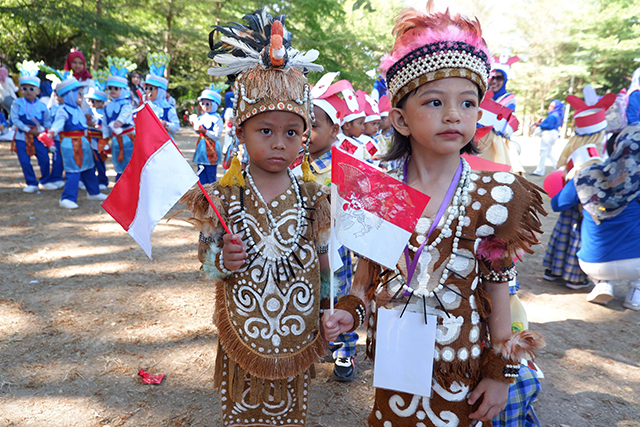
(459, 200)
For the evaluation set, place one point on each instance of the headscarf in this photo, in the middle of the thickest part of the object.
(71, 103)
(4, 73)
(606, 189)
(503, 89)
(558, 109)
(161, 99)
(84, 74)
(635, 82)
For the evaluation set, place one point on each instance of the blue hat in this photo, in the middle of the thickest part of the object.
(119, 68)
(212, 93)
(29, 73)
(157, 63)
(97, 94)
(100, 80)
(67, 86)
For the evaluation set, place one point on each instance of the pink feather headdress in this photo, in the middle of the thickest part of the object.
(431, 46)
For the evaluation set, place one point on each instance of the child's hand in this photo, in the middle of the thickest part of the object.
(34, 132)
(201, 130)
(233, 254)
(337, 323)
(117, 124)
(494, 399)
(1, 127)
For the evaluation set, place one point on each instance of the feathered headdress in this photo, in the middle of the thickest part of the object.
(55, 76)
(29, 73)
(431, 46)
(267, 73)
(158, 62)
(118, 70)
(100, 80)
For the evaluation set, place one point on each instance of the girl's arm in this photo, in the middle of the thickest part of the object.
(494, 394)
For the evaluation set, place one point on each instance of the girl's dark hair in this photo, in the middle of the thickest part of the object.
(401, 145)
(611, 143)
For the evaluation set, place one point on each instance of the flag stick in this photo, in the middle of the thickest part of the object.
(214, 209)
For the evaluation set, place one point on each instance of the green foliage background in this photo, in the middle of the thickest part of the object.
(562, 45)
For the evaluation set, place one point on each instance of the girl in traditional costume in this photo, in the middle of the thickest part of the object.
(267, 272)
(156, 88)
(459, 259)
(118, 124)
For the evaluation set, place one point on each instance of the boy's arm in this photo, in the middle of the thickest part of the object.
(59, 121)
(15, 118)
(494, 393)
(46, 118)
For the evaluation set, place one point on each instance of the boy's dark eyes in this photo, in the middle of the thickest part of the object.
(265, 131)
(434, 103)
(469, 104)
(291, 133)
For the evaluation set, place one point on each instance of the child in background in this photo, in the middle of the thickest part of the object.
(156, 89)
(78, 66)
(118, 124)
(352, 122)
(267, 271)
(386, 131)
(31, 117)
(209, 126)
(96, 98)
(464, 266)
(371, 125)
(71, 124)
(549, 135)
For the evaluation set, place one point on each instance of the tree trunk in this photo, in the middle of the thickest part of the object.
(167, 38)
(95, 47)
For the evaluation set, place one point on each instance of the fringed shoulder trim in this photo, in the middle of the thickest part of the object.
(204, 217)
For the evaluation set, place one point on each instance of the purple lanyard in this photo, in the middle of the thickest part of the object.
(443, 207)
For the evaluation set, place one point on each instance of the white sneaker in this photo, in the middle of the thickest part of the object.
(68, 204)
(632, 301)
(81, 185)
(602, 293)
(30, 189)
(59, 184)
(50, 186)
(98, 196)
(102, 187)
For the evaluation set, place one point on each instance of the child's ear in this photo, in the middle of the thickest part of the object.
(479, 115)
(396, 117)
(335, 130)
(240, 134)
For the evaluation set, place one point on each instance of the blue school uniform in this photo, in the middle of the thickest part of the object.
(122, 144)
(57, 168)
(208, 148)
(27, 115)
(71, 124)
(95, 135)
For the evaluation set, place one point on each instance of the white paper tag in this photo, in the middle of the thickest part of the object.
(404, 351)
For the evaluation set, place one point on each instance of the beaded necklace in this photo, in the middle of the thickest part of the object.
(459, 200)
(292, 243)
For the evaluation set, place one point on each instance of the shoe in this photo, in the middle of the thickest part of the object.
(602, 293)
(68, 204)
(49, 186)
(59, 184)
(30, 189)
(98, 196)
(632, 301)
(536, 174)
(550, 277)
(102, 187)
(82, 186)
(344, 369)
(578, 285)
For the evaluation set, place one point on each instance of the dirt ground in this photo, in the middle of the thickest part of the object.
(82, 310)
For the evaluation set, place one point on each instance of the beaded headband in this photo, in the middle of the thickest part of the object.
(437, 61)
(432, 46)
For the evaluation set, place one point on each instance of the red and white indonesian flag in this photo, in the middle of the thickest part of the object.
(155, 178)
(375, 213)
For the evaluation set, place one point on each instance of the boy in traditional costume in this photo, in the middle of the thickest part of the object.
(267, 271)
(459, 259)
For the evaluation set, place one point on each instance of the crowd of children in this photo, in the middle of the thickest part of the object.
(86, 118)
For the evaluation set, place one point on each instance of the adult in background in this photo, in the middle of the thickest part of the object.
(76, 63)
(549, 135)
(135, 84)
(633, 98)
(8, 90)
(610, 197)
